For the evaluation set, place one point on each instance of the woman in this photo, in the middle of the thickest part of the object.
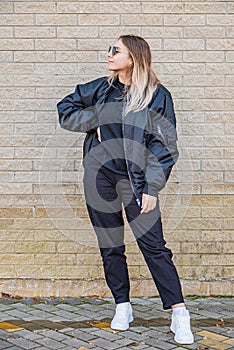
(129, 151)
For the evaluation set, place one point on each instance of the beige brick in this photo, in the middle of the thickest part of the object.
(13, 165)
(228, 247)
(203, 80)
(162, 32)
(36, 104)
(16, 44)
(228, 224)
(16, 188)
(217, 212)
(9, 92)
(217, 116)
(220, 44)
(230, 7)
(55, 44)
(30, 271)
(218, 189)
(6, 32)
(206, 104)
(98, 19)
(229, 177)
(7, 176)
(47, 236)
(35, 32)
(141, 19)
(86, 260)
(220, 20)
(83, 272)
(85, 68)
(201, 56)
(5, 56)
(203, 271)
(6, 7)
(7, 247)
(230, 80)
(7, 271)
(184, 44)
(55, 259)
(6, 80)
(77, 7)
(217, 141)
(35, 248)
(208, 7)
(35, 153)
(34, 56)
(184, 20)
(200, 224)
(52, 68)
(217, 259)
(16, 20)
(16, 68)
(184, 68)
(204, 32)
(230, 56)
(15, 212)
(46, 117)
(219, 164)
(34, 80)
(187, 259)
(53, 188)
(229, 153)
(78, 32)
(229, 127)
(17, 259)
(58, 19)
(201, 248)
(75, 248)
(230, 32)
(120, 7)
(202, 153)
(34, 177)
(35, 7)
(150, 7)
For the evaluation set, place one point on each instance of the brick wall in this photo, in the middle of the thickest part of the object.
(47, 245)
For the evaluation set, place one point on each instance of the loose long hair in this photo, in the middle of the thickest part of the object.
(143, 78)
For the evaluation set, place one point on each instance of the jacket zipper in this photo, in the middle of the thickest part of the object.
(129, 175)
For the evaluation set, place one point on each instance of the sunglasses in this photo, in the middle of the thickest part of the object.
(115, 49)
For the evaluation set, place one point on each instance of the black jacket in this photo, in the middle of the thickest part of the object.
(149, 135)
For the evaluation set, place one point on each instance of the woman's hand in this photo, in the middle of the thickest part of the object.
(148, 203)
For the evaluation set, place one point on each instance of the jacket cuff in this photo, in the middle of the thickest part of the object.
(149, 190)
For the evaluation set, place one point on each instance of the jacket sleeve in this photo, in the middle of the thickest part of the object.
(77, 110)
(161, 143)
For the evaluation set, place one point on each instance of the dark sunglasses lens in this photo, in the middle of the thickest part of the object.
(110, 49)
(114, 50)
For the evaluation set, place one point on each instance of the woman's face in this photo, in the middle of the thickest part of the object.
(121, 61)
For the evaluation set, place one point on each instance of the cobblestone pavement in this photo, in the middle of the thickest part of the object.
(84, 323)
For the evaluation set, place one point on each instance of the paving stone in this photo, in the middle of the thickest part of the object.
(81, 335)
(23, 343)
(76, 343)
(49, 343)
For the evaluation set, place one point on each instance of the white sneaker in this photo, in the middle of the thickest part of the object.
(180, 325)
(123, 316)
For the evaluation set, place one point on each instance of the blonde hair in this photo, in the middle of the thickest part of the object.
(144, 79)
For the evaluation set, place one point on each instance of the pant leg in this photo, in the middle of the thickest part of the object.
(148, 231)
(108, 224)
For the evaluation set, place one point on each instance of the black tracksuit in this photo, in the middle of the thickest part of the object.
(113, 179)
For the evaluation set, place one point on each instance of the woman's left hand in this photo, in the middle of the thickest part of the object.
(148, 203)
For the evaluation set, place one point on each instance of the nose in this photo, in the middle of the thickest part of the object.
(109, 54)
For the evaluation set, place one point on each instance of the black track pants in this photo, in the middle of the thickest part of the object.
(105, 210)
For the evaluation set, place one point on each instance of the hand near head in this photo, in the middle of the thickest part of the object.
(148, 203)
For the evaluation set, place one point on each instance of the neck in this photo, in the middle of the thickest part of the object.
(124, 78)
